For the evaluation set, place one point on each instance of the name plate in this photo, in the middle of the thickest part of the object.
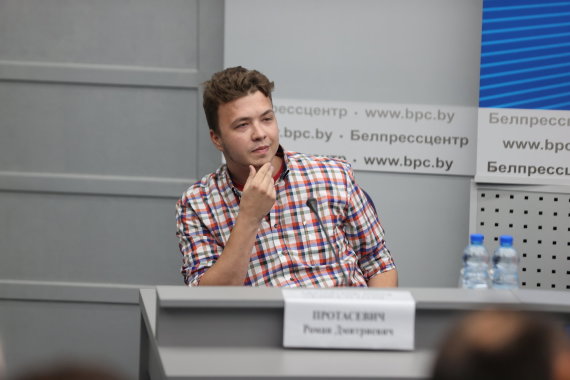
(349, 318)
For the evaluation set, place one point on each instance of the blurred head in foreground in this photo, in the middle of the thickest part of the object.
(504, 345)
(72, 371)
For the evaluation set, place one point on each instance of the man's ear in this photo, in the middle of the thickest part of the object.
(216, 140)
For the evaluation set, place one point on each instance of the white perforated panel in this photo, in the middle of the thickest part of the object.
(539, 221)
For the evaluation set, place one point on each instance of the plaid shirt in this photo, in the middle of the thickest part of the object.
(290, 249)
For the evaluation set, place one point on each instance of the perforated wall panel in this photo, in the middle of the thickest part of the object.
(539, 221)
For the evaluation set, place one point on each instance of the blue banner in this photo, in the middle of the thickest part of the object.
(525, 55)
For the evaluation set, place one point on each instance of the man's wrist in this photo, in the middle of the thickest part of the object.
(248, 218)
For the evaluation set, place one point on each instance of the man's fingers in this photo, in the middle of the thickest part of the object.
(250, 177)
(266, 169)
(260, 180)
(268, 179)
(270, 183)
(252, 173)
(263, 174)
(259, 192)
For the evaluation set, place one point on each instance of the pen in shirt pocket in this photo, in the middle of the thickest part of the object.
(307, 225)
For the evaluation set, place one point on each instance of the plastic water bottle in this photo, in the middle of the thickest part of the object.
(475, 272)
(505, 272)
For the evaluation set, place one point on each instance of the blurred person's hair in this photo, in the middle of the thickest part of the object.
(231, 84)
(501, 345)
(72, 371)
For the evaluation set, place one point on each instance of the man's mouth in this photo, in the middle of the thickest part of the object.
(261, 149)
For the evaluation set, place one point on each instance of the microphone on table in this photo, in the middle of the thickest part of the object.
(312, 204)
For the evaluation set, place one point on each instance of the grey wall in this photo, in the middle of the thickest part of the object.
(385, 51)
(101, 130)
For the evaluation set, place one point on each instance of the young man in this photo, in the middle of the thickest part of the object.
(249, 223)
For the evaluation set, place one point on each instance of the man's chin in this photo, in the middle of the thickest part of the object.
(257, 164)
(260, 161)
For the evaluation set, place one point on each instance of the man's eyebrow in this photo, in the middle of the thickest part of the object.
(240, 119)
(247, 118)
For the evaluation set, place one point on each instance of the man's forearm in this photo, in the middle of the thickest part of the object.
(256, 201)
(231, 267)
(388, 279)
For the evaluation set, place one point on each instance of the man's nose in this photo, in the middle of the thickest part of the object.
(258, 132)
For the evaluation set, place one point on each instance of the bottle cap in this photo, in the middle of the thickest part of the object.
(477, 239)
(506, 240)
